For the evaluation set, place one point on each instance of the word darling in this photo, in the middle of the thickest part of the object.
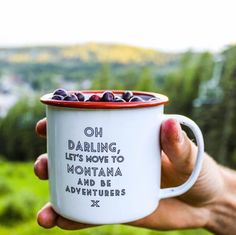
(98, 147)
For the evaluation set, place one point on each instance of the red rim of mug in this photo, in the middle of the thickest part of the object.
(160, 99)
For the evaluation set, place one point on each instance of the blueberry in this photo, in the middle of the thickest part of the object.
(80, 96)
(94, 98)
(61, 92)
(71, 98)
(127, 95)
(136, 99)
(108, 96)
(117, 99)
(57, 97)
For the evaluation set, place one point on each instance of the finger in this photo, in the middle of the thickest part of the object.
(71, 225)
(41, 167)
(177, 146)
(47, 217)
(41, 127)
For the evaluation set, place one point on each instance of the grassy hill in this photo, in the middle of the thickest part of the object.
(43, 68)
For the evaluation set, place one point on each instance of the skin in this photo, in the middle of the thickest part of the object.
(210, 203)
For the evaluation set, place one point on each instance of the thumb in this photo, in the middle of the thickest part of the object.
(180, 150)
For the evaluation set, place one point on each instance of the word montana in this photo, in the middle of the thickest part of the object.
(93, 171)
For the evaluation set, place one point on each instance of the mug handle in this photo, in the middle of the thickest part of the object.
(176, 191)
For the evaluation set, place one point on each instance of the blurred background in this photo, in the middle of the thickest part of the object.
(184, 49)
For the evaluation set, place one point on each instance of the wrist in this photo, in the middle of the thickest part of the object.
(222, 211)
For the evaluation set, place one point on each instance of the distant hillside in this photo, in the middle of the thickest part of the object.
(89, 52)
(42, 68)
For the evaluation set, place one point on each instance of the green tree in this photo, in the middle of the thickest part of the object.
(218, 120)
(227, 145)
(18, 141)
(145, 80)
(182, 85)
(103, 79)
(129, 78)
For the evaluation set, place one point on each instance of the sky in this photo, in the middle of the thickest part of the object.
(168, 25)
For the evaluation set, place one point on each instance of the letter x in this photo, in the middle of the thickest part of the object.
(95, 203)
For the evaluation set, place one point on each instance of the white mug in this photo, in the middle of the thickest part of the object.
(104, 158)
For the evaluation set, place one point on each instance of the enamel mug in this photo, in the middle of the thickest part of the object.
(104, 157)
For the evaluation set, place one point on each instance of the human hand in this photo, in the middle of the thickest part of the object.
(190, 210)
